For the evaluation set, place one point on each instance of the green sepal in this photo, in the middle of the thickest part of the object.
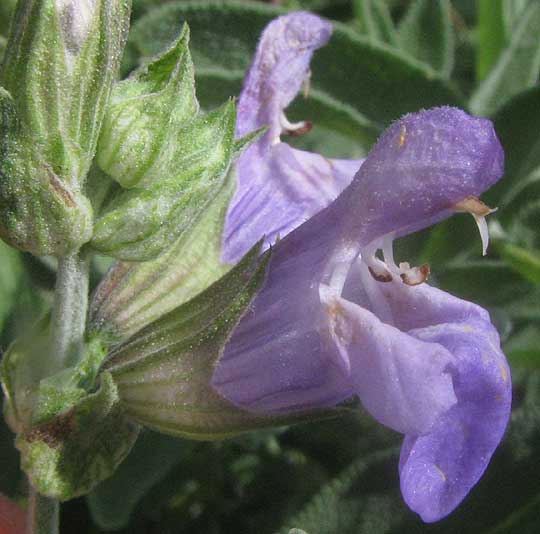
(142, 223)
(241, 144)
(62, 391)
(40, 212)
(132, 295)
(145, 115)
(59, 66)
(68, 455)
(163, 372)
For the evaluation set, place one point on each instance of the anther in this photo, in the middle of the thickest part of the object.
(381, 276)
(294, 128)
(415, 275)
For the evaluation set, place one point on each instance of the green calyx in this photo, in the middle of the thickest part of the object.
(60, 62)
(144, 116)
(164, 371)
(170, 159)
(139, 224)
(71, 430)
(68, 455)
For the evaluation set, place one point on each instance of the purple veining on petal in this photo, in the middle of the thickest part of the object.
(285, 189)
(278, 187)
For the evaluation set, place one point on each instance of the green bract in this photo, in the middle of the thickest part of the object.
(59, 65)
(170, 159)
(71, 453)
(163, 371)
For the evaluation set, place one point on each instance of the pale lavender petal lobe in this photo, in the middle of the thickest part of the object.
(401, 381)
(280, 67)
(278, 187)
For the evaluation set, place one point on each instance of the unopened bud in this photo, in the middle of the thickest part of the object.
(60, 62)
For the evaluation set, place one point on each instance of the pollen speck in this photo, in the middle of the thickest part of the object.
(504, 372)
(402, 136)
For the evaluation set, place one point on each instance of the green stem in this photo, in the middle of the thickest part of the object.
(67, 336)
(43, 514)
(69, 312)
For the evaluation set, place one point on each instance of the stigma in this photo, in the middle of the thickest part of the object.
(479, 211)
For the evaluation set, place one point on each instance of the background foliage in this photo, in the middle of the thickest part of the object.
(386, 58)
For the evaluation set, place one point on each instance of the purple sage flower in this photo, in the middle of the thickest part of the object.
(279, 187)
(334, 321)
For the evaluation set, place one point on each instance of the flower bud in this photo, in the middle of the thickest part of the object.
(144, 117)
(60, 61)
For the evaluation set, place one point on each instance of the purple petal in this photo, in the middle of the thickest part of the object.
(438, 469)
(421, 361)
(419, 169)
(275, 361)
(280, 67)
(401, 381)
(279, 188)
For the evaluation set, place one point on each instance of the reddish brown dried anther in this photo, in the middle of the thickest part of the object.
(304, 129)
(416, 275)
(380, 277)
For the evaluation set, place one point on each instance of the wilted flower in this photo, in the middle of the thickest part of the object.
(334, 321)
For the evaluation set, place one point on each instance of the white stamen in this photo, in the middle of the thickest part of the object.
(479, 211)
(382, 271)
(378, 269)
(293, 128)
(388, 253)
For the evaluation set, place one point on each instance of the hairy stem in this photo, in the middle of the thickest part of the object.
(43, 514)
(67, 333)
(69, 312)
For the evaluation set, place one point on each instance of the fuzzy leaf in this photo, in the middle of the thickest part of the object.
(517, 69)
(373, 17)
(426, 33)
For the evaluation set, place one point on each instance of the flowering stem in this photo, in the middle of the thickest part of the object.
(69, 312)
(43, 514)
(67, 330)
